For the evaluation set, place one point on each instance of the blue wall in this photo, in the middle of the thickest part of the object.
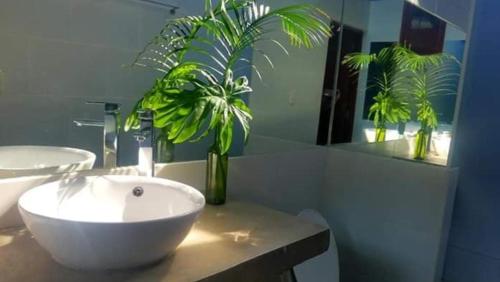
(474, 247)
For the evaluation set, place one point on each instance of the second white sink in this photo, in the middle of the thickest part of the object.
(36, 160)
(110, 222)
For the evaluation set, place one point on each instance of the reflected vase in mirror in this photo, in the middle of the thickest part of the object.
(421, 144)
(216, 178)
(380, 133)
(164, 147)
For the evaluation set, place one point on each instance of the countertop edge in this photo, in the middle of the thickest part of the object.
(275, 262)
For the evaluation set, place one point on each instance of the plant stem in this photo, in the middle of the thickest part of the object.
(421, 143)
(380, 133)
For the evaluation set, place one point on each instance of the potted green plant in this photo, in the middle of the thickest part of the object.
(198, 94)
(390, 104)
(428, 76)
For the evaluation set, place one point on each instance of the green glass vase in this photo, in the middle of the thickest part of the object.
(421, 145)
(217, 167)
(380, 133)
(164, 147)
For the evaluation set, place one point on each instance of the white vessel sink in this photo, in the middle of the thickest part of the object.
(30, 160)
(104, 222)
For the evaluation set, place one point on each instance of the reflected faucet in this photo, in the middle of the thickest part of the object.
(146, 139)
(111, 125)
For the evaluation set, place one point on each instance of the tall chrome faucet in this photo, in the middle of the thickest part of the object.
(146, 139)
(111, 125)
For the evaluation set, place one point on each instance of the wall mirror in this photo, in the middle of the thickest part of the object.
(67, 76)
(58, 68)
(409, 25)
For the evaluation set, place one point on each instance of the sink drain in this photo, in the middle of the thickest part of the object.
(138, 191)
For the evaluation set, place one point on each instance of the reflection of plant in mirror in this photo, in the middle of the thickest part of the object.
(199, 55)
(390, 102)
(429, 76)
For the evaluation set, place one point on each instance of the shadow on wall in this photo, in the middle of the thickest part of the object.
(368, 266)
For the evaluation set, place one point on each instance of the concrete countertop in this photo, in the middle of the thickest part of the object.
(234, 242)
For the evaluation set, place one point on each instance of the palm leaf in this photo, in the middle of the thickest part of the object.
(432, 75)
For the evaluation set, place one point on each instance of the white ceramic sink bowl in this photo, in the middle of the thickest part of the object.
(29, 160)
(99, 223)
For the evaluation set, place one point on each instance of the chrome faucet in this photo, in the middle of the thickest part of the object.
(146, 139)
(111, 125)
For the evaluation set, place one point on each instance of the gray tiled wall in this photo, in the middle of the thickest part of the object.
(57, 54)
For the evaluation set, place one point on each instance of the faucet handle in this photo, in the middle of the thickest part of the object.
(108, 107)
(146, 130)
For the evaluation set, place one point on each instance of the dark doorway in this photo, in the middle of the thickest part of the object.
(419, 28)
(346, 92)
